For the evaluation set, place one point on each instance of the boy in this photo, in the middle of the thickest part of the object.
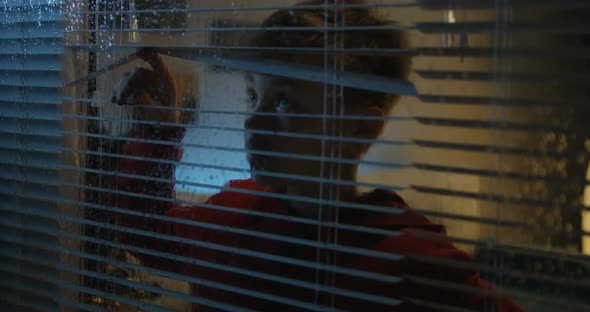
(297, 235)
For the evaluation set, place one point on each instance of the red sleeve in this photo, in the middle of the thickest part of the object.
(432, 275)
(433, 271)
(441, 281)
(144, 183)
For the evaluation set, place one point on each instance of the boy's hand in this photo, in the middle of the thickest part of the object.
(153, 89)
(133, 86)
(142, 83)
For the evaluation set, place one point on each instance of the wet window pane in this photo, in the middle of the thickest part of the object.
(285, 155)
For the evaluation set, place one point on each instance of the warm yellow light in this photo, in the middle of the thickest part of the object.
(97, 299)
(586, 217)
(451, 16)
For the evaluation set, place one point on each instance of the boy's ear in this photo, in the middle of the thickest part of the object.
(370, 128)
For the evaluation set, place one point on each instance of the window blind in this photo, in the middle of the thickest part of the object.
(30, 98)
(488, 138)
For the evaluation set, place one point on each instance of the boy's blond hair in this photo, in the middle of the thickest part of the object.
(383, 64)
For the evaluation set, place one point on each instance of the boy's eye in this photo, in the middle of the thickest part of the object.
(252, 96)
(282, 105)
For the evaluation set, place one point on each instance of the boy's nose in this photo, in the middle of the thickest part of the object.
(255, 128)
(260, 122)
(249, 122)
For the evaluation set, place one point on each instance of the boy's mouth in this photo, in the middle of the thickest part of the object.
(257, 161)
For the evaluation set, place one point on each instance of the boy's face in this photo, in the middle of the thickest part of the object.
(286, 124)
(277, 127)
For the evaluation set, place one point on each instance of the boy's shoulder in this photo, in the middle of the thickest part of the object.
(246, 194)
(243, 204)
(240, 194)
(393, 212)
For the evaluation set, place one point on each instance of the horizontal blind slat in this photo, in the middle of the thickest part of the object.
(490, 27)
(199, 52)
(25, 146)
(20, 62)
(387, 210)
(268, 257)
(32, 162)
(24, 267)
(244, 29)
(489, 149)
(581, 181)
(514, 53)
(497, 124)
(526, 202)
(218, 50)
(306, 199)
(20, 111)
(35, 194)
(193, 299)
(28, 143)
(390, 165)
(573, 180)
(35, 160)
(252, 8)
(91, 291)
(466, 288)
(18, 15)
(494, 149)
(383, 278)
(426, 212)
(344, 292)
(551, 300)
(24, 141)
(24, 94)
(27, 161)
(31, 30)
(28, 175)
(18, 5)
(491, 197)
(492, 124)
(46, 180)
(42, 46)
(514, 272)
(13, 295)
(319, 137)
(519, 249)
(30, 188)
(305, 72)
(431, 167)
(562, 77)
(48, 128)
(497, 101)
(222, 248)
(46, 79)
(188, 260)
(127, 283)
(425, 27)
(22, 289)
(232, 112)
(491, 4)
